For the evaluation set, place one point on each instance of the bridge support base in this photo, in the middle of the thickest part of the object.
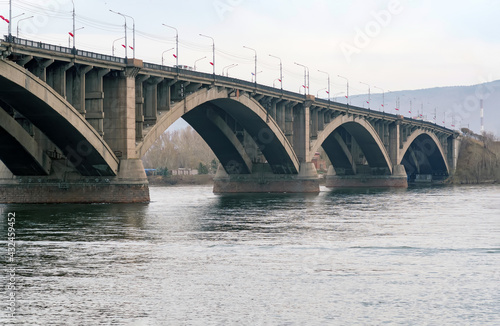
(129, 186)
(397, 180)
(262, 180)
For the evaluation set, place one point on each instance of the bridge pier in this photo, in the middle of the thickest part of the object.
(67, 186)
(262, 180)
(398, 179)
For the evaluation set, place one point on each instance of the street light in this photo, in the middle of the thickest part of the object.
(133, 31)
(213, 51)
(281, 71)
(197, 61)
(73, 35)
(306, 78)
(383, 98)
(232, 66)
(324, 72)
(17, 33)
(164, 53)
(255, 74)
(176, 44)
(228, 66)
(113, 48)
(347, 93)
(368, 94)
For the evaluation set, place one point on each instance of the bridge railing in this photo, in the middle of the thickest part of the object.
(63, 49)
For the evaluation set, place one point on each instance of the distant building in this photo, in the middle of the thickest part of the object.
(184, 171)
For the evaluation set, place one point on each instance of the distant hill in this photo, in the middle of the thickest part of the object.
(455, 103)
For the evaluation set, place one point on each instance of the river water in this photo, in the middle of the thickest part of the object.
(421, 256)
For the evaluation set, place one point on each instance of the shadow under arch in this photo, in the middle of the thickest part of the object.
(57, 119)
(422, 153)
(203, 111)
(365, 136)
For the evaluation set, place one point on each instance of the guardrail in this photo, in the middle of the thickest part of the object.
(63, 49)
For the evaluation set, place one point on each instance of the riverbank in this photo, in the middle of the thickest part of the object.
(178, 180)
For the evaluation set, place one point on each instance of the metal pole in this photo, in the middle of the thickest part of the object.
(255, 73)
(306, 75)
(369, 99)
(176, 44)
(74, 31)
(213, 52)
(328, 83)
(163, 54)
(197, 61)
(17, 33)
(347, 93)
(113, 48)
(383, 98)
(10, 20)
(281, 70)
(126, 45)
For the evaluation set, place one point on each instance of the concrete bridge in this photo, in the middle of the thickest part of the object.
(74, 125)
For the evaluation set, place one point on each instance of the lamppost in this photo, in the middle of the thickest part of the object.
(306, 78)
(281, 71)
(324, 72)
(255, 74)
(197, 61)
(74, 30)
(228, 66)
(73, 35)
(213, 52)
(17, 33)
(232, 66)
(383, 98)
(347, 92)
(113, 48)
(164, 53)
(176, 44)
(368, 94)
(133, 31)
(10, 20)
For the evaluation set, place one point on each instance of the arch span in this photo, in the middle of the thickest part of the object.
(424, 149)
(57, 119)
(365, 135)
(200, 110)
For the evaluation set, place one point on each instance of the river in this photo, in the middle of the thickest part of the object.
(421, 256)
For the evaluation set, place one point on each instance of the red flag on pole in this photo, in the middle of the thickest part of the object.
(124, 46)
(71, 34)
(345, 96)
(130, 47)
(175, 56)
(397, 109)
(212, 63)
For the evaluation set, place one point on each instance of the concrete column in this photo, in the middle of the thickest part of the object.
(39, 67)
(151, 100)
(280, 115)
(314, 122)
(120, 112)
(301, 126)
(75, 86)
(394, 142)
(56, 77)
(321, 120)
(94, 98)
(289, 122)
(139, 106)
(164, 96)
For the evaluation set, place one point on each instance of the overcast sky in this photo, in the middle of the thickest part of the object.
(391, 44)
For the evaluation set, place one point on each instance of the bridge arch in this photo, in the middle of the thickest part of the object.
(203, 109)
(422, 153)
(365, 135)
(57, 119)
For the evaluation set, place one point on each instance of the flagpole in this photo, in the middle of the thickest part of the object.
(347, 94)
(328, 84)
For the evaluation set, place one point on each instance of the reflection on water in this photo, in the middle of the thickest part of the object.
(426, 255)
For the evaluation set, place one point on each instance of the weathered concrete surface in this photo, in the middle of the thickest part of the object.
(67, 186)
(397, 180)
(263, 180)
